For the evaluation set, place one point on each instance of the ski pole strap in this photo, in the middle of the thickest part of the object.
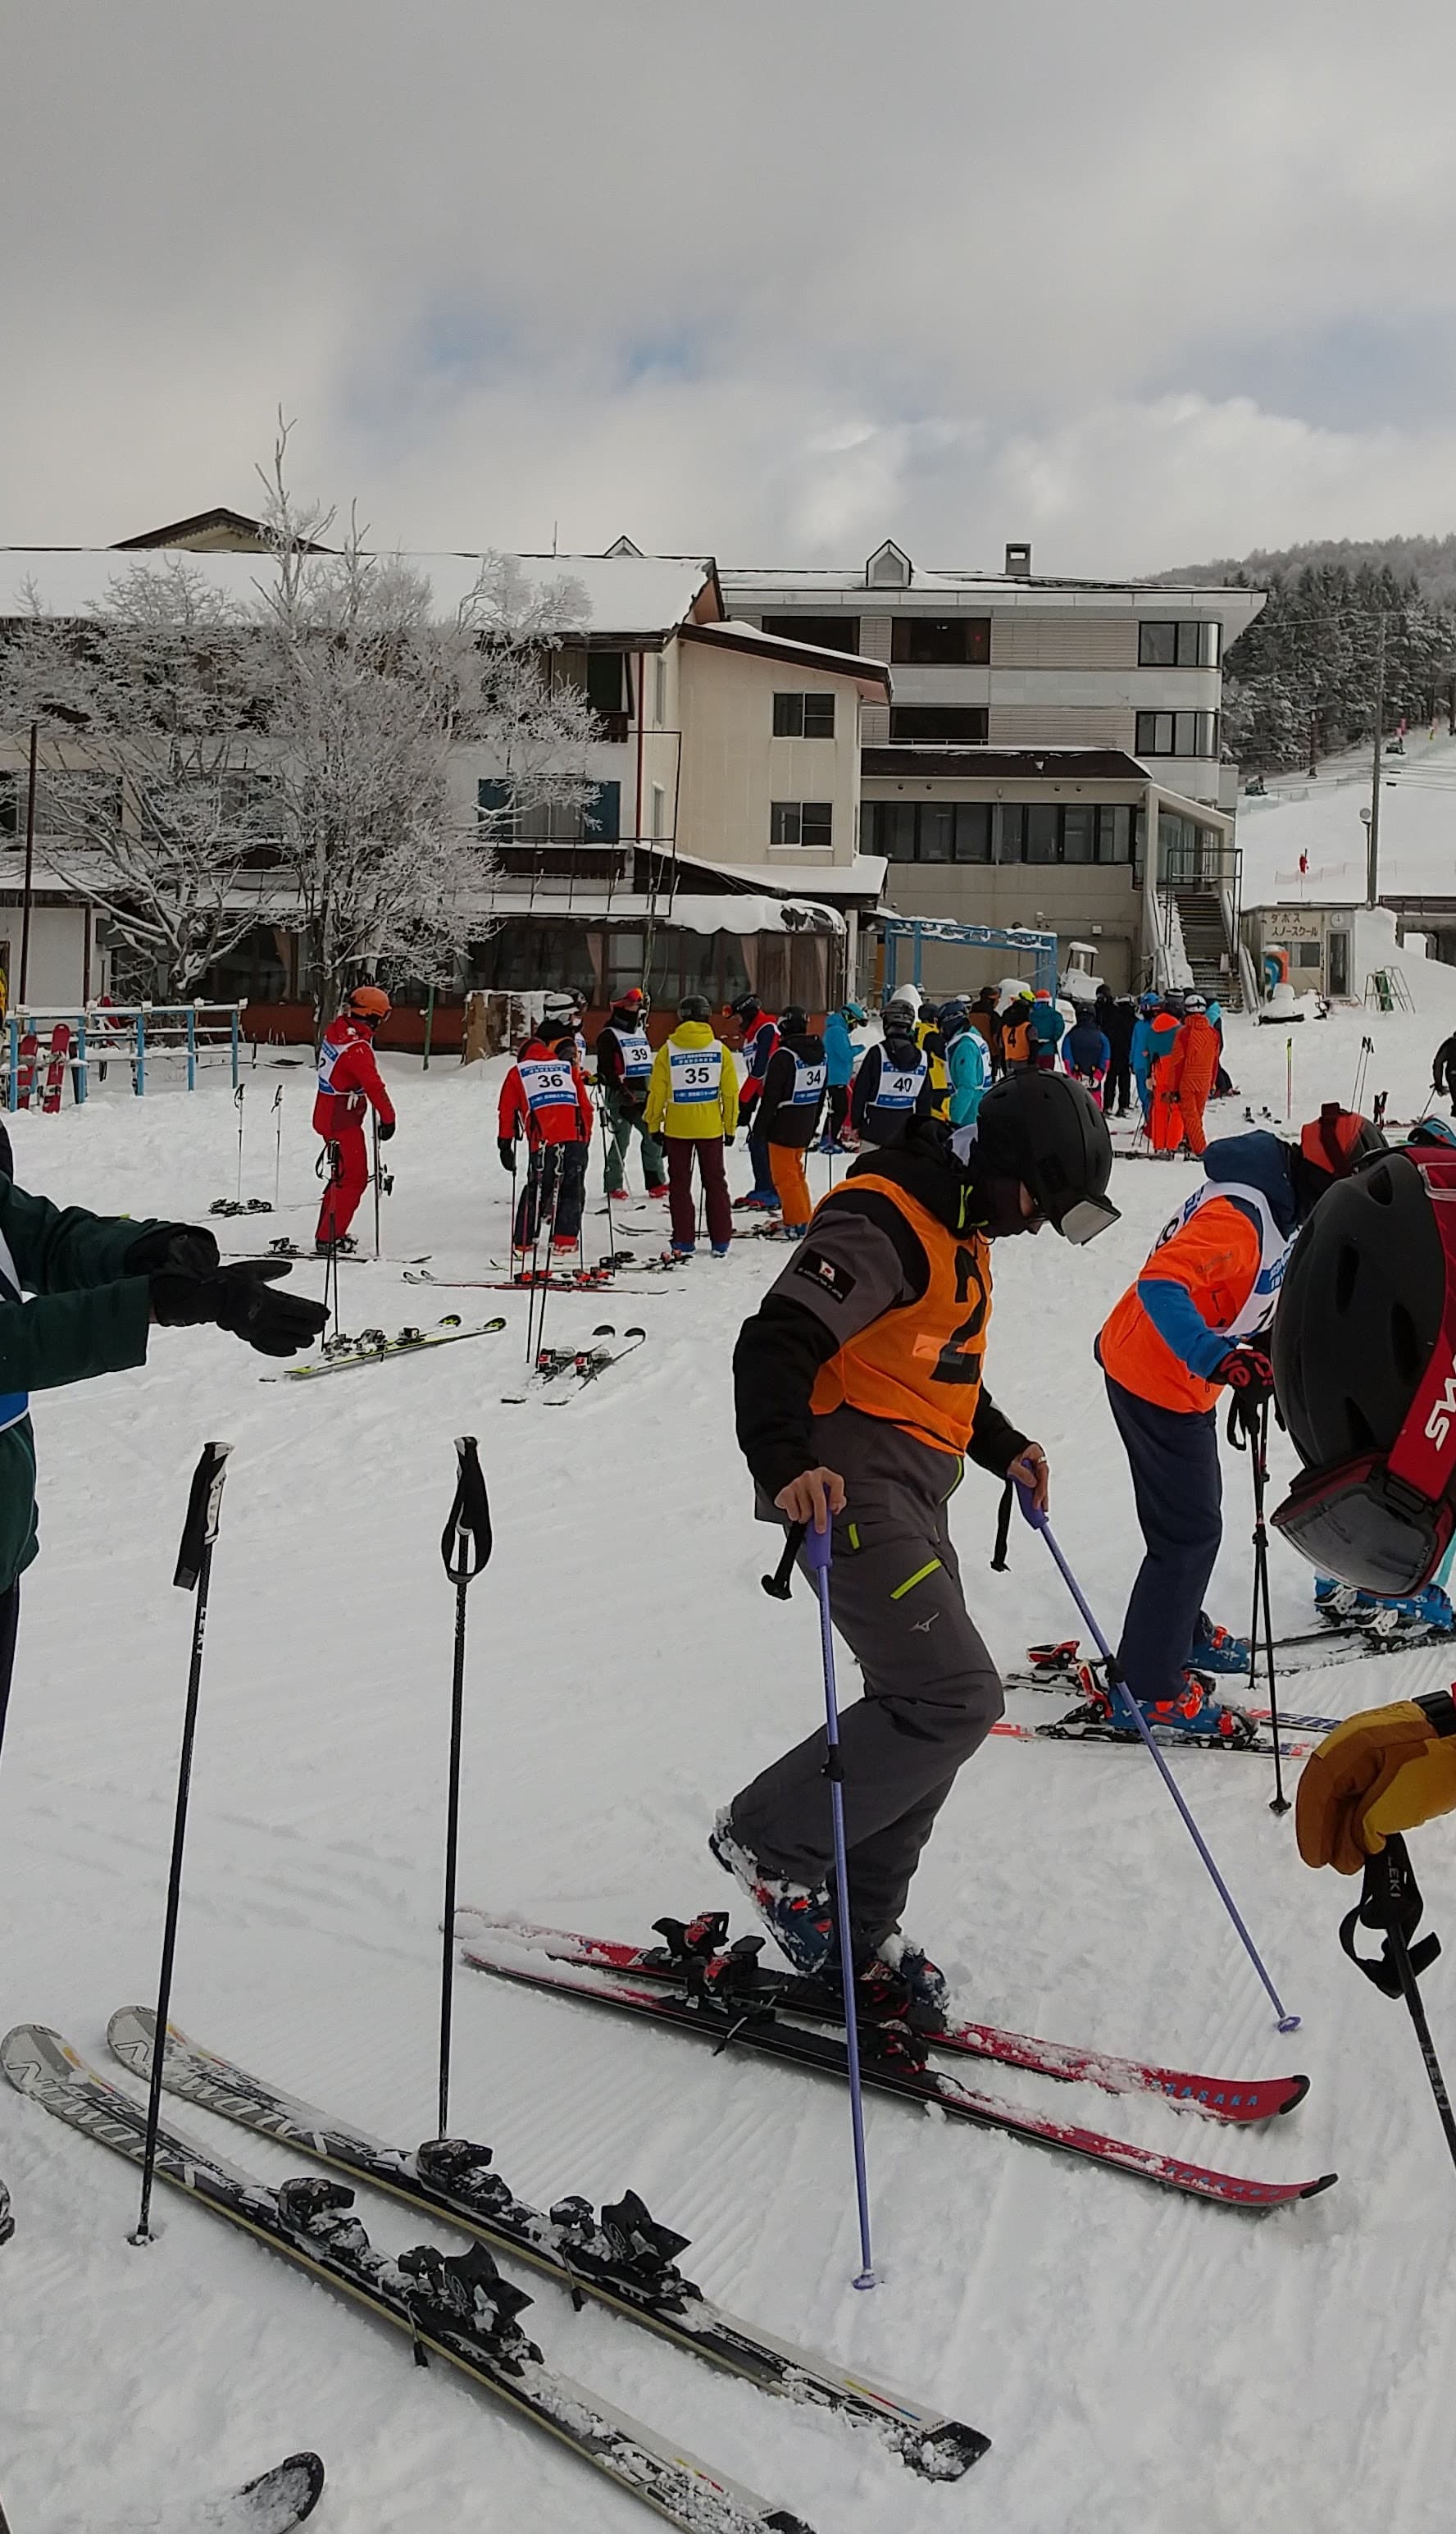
(999, 1559)
(465, 1543)
(780, 1584)
(200, 1527)
(1391, 1903)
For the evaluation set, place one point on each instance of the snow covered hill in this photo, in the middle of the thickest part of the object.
(1142, 2365)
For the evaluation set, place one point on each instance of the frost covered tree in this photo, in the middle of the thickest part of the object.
(149, 713)
(371, 690)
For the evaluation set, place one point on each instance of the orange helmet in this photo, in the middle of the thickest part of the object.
(368, 1004)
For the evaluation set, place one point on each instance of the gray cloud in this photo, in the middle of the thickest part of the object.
(773, 277)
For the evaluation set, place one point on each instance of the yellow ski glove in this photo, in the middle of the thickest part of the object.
(1388, 1770)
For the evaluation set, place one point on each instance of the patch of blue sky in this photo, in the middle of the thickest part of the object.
(1356, 372)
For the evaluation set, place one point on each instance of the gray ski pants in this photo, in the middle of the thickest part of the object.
(931, 1696)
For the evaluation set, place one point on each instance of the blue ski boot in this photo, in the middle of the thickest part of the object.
(1216, 1649)
(800, 1921)
(1431, 1607)
(1196, 1714)
(897, 1980)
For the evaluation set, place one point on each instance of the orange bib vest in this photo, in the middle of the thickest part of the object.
(920, 1366)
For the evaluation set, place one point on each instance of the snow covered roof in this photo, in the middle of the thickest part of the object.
(871, 676)
(864, 876)
(634, 596)
(784, 584)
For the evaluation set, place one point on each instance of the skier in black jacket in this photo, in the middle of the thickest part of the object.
(1443, 1071)
(1117, 1028)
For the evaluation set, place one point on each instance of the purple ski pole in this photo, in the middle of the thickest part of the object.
(1038, 1519)
(819, 1548)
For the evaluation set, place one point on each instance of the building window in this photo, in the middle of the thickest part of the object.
(602, 816)
(928, 831)
(1056, 832)
(659, 813)
(496, 809)
(827, 633)
(1308, 954)
(1187, 642)
(1177, 734)
(946, 724)
(935, 641)
(10, 805)
(803, 716)
(802, 822)
(660, 690)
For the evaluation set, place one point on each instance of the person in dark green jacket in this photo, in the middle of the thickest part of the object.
(99, 1285)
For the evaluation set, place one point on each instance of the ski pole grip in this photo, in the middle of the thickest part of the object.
(466, 1541)
(200, 1527)
(780, 1584)
(1030, 1510)
(819, 1546)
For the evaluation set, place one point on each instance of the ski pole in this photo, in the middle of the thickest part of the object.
(277, 1144)
(1391, 1902)
(1262, 1618)
(194, 1574)
(465, 1546)
(238, 1104)
(607, 1150)
(374, 1129)
(819, 1545)
(1287, 2022)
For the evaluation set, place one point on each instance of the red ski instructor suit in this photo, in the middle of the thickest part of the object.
(349, 1086)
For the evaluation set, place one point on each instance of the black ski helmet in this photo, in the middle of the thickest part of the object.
(1048, 1132)
(1360, 1311)
(694, 1007)
(794, 1021)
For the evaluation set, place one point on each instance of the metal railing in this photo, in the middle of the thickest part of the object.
(102, 1034)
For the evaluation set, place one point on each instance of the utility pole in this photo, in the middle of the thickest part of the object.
(29, 862)
(1373, 839)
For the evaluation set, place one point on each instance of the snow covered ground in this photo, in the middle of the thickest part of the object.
(1322, 820)
(1142, 2364)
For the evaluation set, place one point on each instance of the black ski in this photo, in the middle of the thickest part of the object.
(272, 2504)
(893, 2061)
(622, 2258)
(451, 2307)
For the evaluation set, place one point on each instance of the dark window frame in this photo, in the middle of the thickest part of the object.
(791, 715)
(821, 633)
(805, 812)
(1195, 639)
(901, 714)
(940, 642)
(1192, 733)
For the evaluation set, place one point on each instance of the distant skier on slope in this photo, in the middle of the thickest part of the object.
(98, 1285)
(859, 1394)
(349, 1086)
(1192, 1326)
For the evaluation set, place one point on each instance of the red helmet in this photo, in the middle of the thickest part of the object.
(630, 999)
(368, 1004)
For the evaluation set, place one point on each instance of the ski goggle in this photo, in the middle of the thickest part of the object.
(1385, 1521)
(1083, 1219)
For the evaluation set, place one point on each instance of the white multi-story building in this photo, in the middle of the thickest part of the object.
(1040, 731)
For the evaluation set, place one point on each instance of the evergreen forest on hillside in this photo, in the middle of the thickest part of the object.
(1306, 673)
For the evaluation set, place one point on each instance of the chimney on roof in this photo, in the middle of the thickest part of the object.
(1018, 562)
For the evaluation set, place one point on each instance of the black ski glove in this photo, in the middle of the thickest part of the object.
(386, 1129)
(183, 1245)
(507, 1152)
(238, 1298)
(1249, 1373)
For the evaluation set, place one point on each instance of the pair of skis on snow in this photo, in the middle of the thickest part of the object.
(695, 1982)
(587, 1363)
(458, 2308)
(27, 1065)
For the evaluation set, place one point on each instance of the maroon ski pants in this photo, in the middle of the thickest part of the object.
(709, 1150)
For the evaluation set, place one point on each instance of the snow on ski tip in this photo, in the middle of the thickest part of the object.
(642, 2284)
(455, 2308)
(273, 2503)
(1221, 2099)
(893, 2068)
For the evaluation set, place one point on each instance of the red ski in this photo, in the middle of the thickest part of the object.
(55, 1071)
(695, 1948)
(889, 2065)
(28, 1051)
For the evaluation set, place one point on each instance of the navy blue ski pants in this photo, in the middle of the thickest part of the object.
(1178, 1490)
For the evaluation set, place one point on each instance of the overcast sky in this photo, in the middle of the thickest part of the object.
(770, 279)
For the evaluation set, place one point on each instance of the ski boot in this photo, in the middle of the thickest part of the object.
(682, 1252)
(1196, 1714)
(343, 1247)
(720, 1248)
(661, 1188)
(801, 1920)
(1217, 1649)
(897, 1982)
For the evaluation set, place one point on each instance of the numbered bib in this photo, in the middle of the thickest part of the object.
(546, 1085)
(636, 1052)
(328, 1057)
(899, 1089)
(808, 1083)
(696, 1073)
